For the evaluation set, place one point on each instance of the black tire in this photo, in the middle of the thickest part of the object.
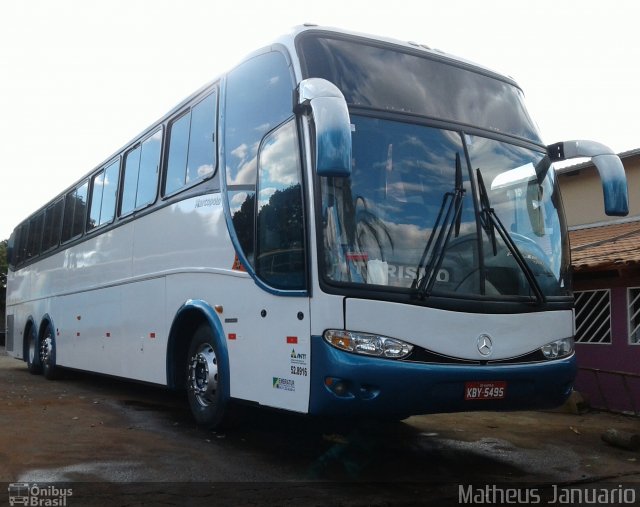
(205, 381)
(33, 352)
(47, 351)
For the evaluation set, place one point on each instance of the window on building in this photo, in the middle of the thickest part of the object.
(593, 316)
(633, 299)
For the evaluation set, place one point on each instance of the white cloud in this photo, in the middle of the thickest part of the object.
(205, 170)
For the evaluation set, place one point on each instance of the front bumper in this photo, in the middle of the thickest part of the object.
(376, 387)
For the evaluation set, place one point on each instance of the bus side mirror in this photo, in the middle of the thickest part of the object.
(332, 126)
(609, 166)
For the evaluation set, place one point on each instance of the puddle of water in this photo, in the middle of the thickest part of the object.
(107, 471)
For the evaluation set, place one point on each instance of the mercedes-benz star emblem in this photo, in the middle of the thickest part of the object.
(484, 344)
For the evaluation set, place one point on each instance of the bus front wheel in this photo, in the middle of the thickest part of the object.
(205, 378)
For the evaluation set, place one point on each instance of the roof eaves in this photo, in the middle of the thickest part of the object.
(583, 165)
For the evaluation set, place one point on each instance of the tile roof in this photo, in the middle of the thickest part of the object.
(611, 246)
(568, 167)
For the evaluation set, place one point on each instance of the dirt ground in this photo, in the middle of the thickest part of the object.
(119, 443)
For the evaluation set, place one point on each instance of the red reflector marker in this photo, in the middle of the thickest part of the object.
(232, 336)
(152, 335)
(292, 339)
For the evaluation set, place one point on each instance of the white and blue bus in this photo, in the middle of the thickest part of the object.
(341, 225)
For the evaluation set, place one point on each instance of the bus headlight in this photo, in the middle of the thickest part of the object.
(368, 344)
(558, 348)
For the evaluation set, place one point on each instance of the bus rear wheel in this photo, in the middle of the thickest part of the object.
(48, 355)
(33, 355)
(205, 381)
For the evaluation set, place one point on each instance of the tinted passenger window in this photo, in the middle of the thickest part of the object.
(110, 193)
(104, 187)
(52, 222)
(35, 236)
(149, 169)
(80, 212)
(192, 146)
(97, 186)
(75, 212)
(21, 243)
(178, 151)
(131, 166)
(141, 174)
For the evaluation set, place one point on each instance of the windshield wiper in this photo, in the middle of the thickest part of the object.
(491, 222)
(448, 220)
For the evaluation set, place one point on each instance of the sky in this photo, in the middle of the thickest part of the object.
(80, 78)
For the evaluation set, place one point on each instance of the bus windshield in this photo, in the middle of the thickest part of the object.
(376, 76)
(379, 223)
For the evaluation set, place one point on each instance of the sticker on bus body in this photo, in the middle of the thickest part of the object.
(284, 384)
(485, 390)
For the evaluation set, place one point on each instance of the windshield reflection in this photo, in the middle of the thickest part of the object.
(529, 209)
(377, 223)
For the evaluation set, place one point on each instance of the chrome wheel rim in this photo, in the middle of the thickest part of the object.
(46, 348)
(203, 375)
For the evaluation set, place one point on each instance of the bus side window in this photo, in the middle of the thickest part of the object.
(52, 222)
(104, 186)
(141, 174)
(21, 243)
(75, 211)
(178, 151)
(149, 166)
(192, 146)
(35, 236)
(109, 193)
(280, 226)
(97, 189)
(258, 98)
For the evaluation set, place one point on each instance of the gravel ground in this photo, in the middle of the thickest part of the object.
(129, 444)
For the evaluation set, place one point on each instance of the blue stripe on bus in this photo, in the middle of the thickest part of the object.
(378, 387)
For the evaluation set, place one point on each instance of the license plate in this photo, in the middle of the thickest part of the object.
(493, 390)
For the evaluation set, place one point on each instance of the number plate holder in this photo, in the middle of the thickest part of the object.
(485, 390)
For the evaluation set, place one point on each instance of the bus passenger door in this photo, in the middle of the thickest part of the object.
(262, 169)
